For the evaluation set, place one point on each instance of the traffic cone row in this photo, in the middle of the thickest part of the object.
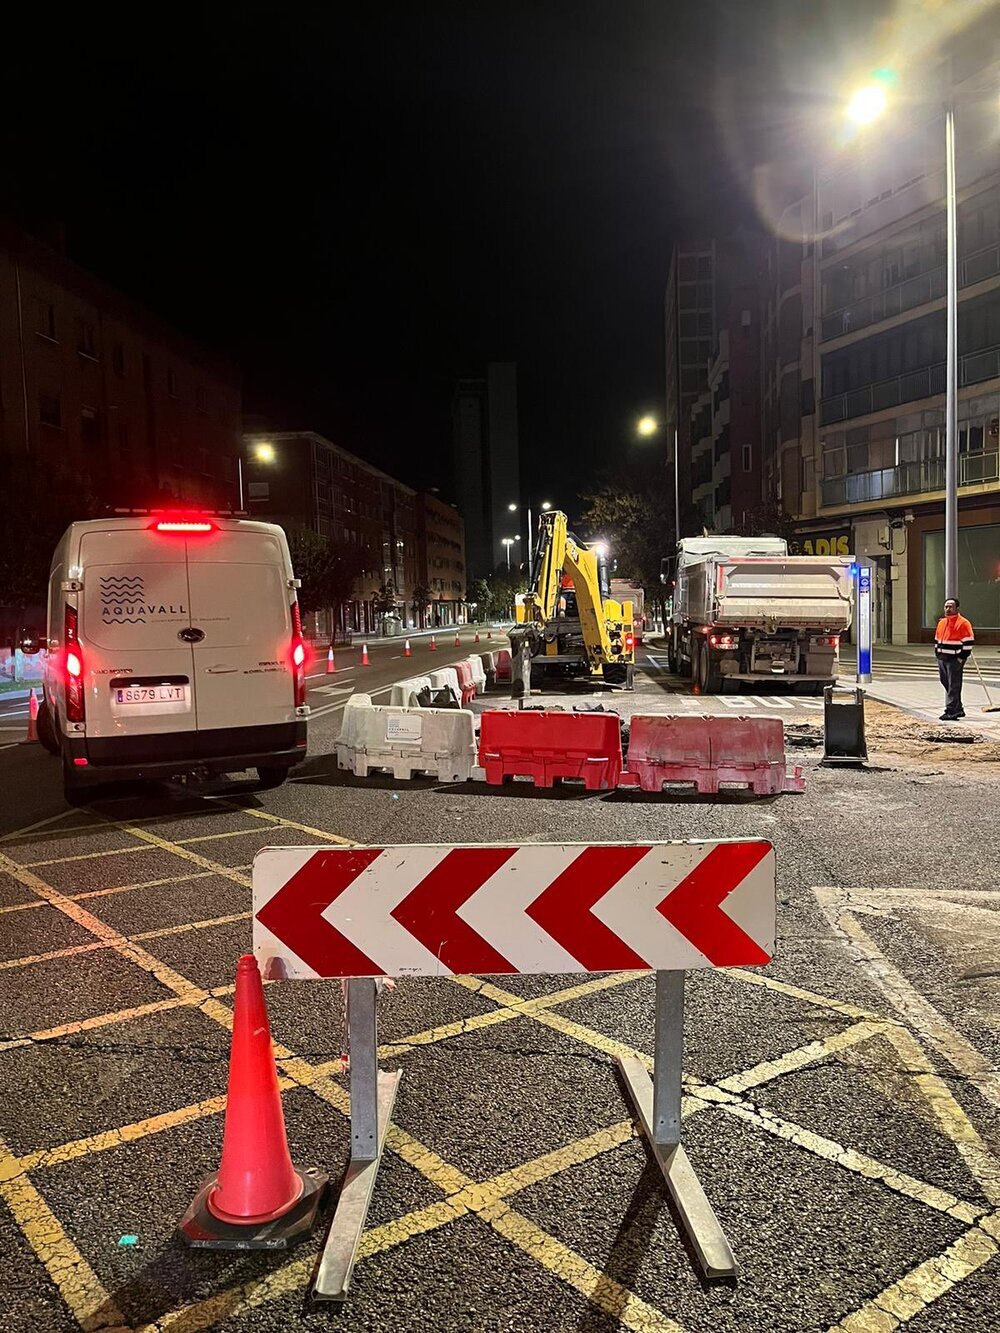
(257, 1199)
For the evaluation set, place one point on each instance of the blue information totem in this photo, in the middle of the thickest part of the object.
(863, 622)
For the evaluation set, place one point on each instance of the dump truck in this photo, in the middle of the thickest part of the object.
(745, 611)
(567, 623)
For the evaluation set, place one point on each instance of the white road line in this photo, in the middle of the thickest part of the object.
(770, 703)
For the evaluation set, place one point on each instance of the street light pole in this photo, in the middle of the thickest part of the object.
(951, 400)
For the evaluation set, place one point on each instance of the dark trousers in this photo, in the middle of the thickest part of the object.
(950, 670)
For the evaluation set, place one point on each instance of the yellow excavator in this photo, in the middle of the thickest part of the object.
(567, 623)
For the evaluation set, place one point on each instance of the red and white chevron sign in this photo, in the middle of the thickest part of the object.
(549, 907)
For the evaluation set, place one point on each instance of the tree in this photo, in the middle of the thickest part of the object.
(385, 601)
(419, 599)
(767, 520)
(326, 569)
(634, 514)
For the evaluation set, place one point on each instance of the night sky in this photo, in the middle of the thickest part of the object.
(360, 208)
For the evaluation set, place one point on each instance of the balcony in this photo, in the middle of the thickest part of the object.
(910, 387)
(908, 479)
(915, 291)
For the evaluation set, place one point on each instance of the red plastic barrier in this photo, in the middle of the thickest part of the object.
(548, 746)
(466, 681)
(503, 665)
(708, 751)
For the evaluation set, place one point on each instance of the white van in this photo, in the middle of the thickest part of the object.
(175, 648)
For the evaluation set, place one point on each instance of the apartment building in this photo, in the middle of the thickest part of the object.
(854, 373)
(402, 539)
(486, 461)
(95, 389)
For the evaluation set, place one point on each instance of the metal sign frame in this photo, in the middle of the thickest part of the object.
(657, 1101)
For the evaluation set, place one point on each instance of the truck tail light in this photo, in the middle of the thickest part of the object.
(629, 642)
(298, 657)
(722, 640)
(74, 668)
(827, 641)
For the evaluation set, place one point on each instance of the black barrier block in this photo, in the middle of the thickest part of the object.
(844, 729)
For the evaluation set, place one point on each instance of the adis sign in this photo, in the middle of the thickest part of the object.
(825, 543)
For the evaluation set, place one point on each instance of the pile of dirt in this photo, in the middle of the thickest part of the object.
(891, 731)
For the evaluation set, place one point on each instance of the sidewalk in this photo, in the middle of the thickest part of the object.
(906, 676)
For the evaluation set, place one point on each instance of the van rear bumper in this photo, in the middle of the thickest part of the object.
(222, 750)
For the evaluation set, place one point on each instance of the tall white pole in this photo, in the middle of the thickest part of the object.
(951, 403)
(239, 474)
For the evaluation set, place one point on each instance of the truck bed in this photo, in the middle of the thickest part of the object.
(801, 592)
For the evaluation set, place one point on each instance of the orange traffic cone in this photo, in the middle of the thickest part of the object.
(331, 662)
(458, 641)
(32, 718)
(476, 639)
(489, 634)
(258, 1199)
(433, 644)
(406, 649)
(364, 655)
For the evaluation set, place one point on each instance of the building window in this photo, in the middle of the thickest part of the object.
(118, 359)
(45, 322)
(171, 382)
(747, 457)
(49, 409)
(86, 342)
(977, 576)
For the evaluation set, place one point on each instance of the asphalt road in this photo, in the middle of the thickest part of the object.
(842, 1104)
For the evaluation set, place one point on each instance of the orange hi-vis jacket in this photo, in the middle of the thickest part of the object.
(954, 637)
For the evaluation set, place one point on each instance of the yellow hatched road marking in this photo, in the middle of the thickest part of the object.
(79, 1286)
(118, 888)
(922, 1286)
(907, 1000)
(81, 856)
(797, 993)
(601, 1290)
(46, 823)
(186, 854)
(291, 823)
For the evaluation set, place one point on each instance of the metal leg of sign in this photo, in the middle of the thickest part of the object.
(373, 1095)
(658, 1102)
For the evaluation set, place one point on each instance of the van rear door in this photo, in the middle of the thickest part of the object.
(240, 600)
(138, 670)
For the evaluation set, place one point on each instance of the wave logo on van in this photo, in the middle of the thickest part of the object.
(123, 599)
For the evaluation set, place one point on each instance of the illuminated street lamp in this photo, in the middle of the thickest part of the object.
(864, 107)
(647, 426)
(262, 451)
(513, 507)
(507, 542)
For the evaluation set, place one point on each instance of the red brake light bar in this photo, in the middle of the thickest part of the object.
(183, 525)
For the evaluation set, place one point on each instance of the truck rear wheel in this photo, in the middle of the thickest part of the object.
(709, 675)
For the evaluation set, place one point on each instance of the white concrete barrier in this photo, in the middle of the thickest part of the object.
(478, 672)
(447, 679)
(406, 741)
(404, 692)
(489, 662)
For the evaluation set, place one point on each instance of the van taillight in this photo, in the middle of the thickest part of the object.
(298, 657)
(74, 669)
(183, 525)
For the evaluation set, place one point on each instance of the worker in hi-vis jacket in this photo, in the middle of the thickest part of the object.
(953, 642)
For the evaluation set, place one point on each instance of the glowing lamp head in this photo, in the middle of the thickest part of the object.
(187, 525)
(74, 667)
(647, 426)
(512, 508)
(867, 104)
(263, 451)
